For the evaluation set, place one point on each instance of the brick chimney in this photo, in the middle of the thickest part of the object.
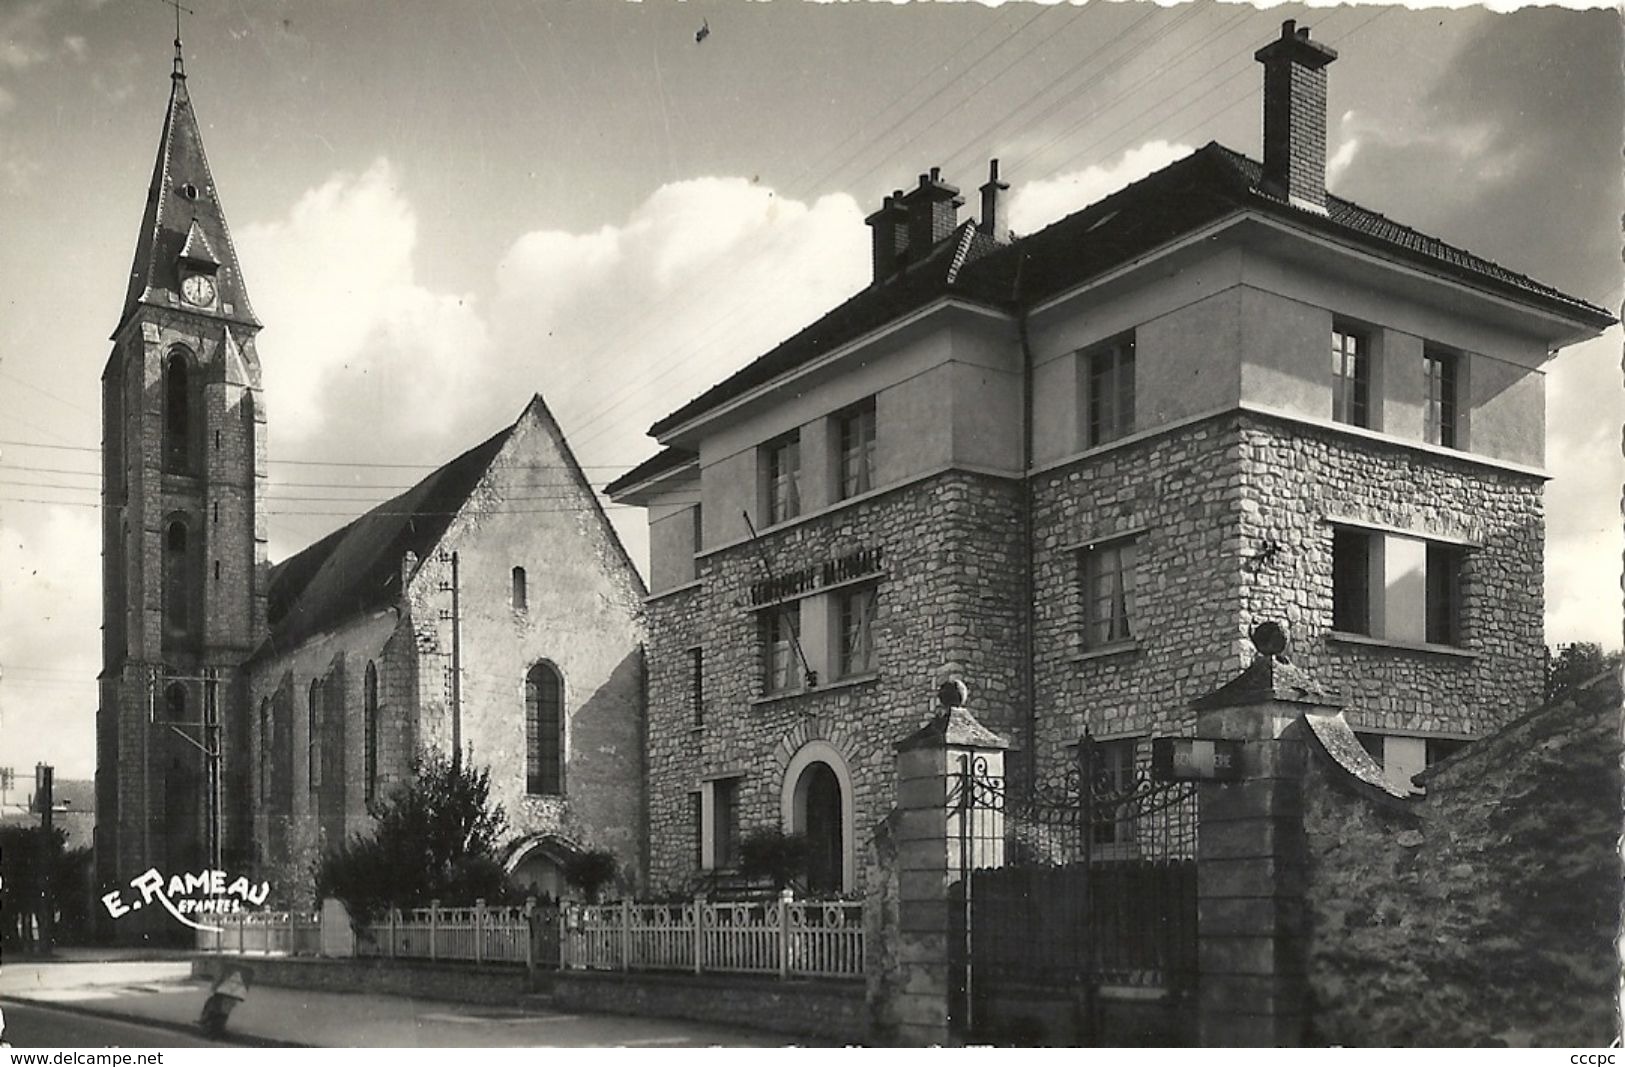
(995, 220)
(1295, 116)
(889, 236)
(933, 212)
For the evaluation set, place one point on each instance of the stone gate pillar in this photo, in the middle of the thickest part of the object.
(1252, 933)
(931, 855)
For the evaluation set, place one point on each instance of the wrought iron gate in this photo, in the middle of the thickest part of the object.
(1086, 886)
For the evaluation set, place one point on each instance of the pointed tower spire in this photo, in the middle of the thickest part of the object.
(184, 235)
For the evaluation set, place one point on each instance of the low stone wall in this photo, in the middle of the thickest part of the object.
(824, 1012)
(1049, 1016)
(463, 982)
(1484, 914)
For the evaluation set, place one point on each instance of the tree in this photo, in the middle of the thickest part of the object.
(25, 853)
(435, 838)
(1570, 666)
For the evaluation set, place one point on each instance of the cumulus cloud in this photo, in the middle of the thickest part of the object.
(1037, 204)
(615, 326)
(1585, 543)
(49, 577)
(350, 328)
(618, 326)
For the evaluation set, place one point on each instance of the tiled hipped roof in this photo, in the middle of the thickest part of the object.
(1210, 184)
(662, 462)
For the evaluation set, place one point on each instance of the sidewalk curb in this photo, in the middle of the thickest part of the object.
(190, 1029)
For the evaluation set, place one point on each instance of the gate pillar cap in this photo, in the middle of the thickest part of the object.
(1271, 677)
(956, 728)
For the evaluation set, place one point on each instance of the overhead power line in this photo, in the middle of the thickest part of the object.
(335, 462)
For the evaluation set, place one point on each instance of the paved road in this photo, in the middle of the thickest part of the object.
(31, 1026)
(164, 991)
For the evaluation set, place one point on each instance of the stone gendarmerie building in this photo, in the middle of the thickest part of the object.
(317, 680)
(1076, 468)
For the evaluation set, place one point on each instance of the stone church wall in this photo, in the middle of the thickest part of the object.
(582, 615)
(299, 822)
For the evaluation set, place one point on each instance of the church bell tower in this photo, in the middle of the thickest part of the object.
(184, 569)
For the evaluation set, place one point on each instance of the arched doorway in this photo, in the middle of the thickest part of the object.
(537, 863)
(816, 801)
(825, 845)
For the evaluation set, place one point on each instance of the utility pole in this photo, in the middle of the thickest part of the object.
(211, 753)
(456, 618)
(44, 792)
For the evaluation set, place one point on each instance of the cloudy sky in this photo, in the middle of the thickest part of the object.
(441, 208)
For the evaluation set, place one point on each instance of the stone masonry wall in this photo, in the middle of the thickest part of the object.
(1295, 477)
(1488, 913)
(583, 616)
(1178, 495)
(1202, 503)
(948, 602)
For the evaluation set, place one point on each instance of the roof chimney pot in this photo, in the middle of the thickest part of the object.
(995, 220)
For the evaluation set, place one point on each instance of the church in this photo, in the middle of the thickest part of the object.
(250, 712)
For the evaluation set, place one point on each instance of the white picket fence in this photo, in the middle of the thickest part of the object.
(267, 933)
(784, 937)
(481, 934)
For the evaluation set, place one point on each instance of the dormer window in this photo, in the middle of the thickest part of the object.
(197, 265)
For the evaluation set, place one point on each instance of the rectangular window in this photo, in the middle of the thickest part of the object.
(781, 467)
(725, 822)
(1444, 595)
(1351, 377)
(1401, 758)
(1109, 403)
(696, 683)
(1351, 581)
(696, 819)
(1114, 770)
(1108, 594)
(855, 440)
(1442, 748)
(781, 634)
(1439, 413)
(855, 611)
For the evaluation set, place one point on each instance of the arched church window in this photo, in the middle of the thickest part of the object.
(314, 725)
(177, 580)
(177, 414)
(175, 702)
(544, 731)
(369, 702)
(265, 751)
(521, 599)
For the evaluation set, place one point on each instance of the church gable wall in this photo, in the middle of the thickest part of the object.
(581, 615)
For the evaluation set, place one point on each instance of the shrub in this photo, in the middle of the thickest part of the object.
(435, 839)
(591, 871)
(775, 855)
